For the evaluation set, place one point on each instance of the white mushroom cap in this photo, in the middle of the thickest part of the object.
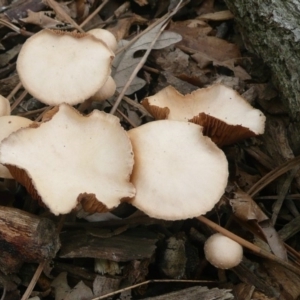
(178, 172)
(57, 67)
(8, 125)
(4, 106)
(72, 157)
(224, 114)
(107, 90)
(106, 36)
(223, 252)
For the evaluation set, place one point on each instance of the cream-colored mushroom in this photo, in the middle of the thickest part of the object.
(106, 36)
(223, 252)
(8, 125)
(57, 67)
(72, 158)
(178, 172)
(4, 106)
(106, 91)
(224, 114)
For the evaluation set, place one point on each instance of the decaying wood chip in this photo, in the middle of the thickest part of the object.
(133, 244)
(196, 293)
(25, 238)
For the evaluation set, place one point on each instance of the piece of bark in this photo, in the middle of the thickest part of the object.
(270, 29)
(285, 280)
(290, 229)
(103, 285)
(25, 238)
(196, 293)
(130, 245)
(251, 273)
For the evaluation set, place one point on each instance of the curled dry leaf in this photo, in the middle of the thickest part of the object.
(43, 19)
(72, 157)
(224, 114)
(246, 210)
(125, 63)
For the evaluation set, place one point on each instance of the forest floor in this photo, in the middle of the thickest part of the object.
(124, 253)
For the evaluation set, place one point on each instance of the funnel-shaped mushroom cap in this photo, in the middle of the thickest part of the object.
(178, 172)
(4, 106)
(8, 125)
(57, 67)
(224, 114)
(72, 156)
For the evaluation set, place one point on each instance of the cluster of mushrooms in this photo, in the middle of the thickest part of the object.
(170, 169)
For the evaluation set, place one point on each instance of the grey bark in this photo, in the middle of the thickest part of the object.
(271, 30)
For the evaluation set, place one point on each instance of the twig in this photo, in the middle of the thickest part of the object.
(19, 100)
(4, 293)
(32, 112)
(282, 194)
(126, 118)
(47, 108)
(14, 91)
(268, 178)
(163, 19)
(152, 281)
(136, 70)
(249, 245)
(34, 280)
(92, 15)
(137, 106)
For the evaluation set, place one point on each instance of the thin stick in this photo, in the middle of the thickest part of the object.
(93, 14)
(282, 194)
(39, 118)
(14, 91)
(136, 70)
(32, 112)
(268, 178)
(126, 118)
(4, 293)
(249, 245)
(152, 281)
(19, 100)
(34, 280)
(163, 19)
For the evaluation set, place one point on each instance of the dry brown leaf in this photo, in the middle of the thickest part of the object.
(43, 20)
(191, 28)
(125, 63)
(121, 29)
(196, 39)
(61, 14)
(246, 210)
(223, 15)
(6, 57)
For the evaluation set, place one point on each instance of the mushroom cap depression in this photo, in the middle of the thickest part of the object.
(225, 116)
(72, 157)
(8, 125)
(223, 252)
(178, 172)
(57, 67)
